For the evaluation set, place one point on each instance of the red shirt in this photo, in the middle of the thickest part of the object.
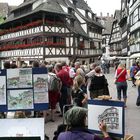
(122, 77)
(64, 76)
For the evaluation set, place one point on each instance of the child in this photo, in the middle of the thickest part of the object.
(78, 96)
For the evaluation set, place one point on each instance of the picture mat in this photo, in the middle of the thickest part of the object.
(26, 127)
(20, 99)
(94, 111)
(97, 107)
(40, 88)
(19, 78)
(2, 90)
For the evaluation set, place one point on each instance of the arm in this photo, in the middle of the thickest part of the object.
(85, 99)
(102, 127)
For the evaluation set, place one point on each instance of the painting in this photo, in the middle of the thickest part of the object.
(40, 88)
(19, 78)
(109, 112)
(20, 99)
(2, 90)
(27, 127)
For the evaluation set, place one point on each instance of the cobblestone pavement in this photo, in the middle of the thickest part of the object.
(132, 112)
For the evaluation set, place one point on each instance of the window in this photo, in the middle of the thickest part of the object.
(136, 15)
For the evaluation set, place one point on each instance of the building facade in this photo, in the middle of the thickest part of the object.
(115, 37)
(51, 30)
(134, 20)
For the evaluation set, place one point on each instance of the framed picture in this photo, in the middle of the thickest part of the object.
(108, 111)
(27, 127)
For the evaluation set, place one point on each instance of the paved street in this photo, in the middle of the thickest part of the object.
(132, 112)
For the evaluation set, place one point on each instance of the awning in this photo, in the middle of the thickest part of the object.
(136, 55)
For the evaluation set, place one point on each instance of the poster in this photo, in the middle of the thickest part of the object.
(40, 88)
(2, 90)
(20, 99)
(110, 112)
(24, 89)
(27, 127)
(19, 78)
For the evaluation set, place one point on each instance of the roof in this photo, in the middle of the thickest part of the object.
(81, 4)
(107, 23)
(117, 15)
(27, 2)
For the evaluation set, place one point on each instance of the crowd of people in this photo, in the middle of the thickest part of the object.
(74, 84)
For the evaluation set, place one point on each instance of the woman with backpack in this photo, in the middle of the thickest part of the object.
(76, 126)
(54, 86)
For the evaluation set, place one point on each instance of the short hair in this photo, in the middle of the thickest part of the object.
(13, 65)
(75, 117)
(7, 65)
(58, 66)
(35, 64)
(98, 69)
(63, 63)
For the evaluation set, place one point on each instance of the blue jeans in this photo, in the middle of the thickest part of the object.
(121, 88)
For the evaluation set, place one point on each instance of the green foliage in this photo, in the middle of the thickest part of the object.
(1, 19)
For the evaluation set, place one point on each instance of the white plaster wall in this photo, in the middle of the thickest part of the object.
(84, 26)
(67, 41)
(71, 40)
(79, 18)
(86, 44)
(58, 59)
(76, 41)
(81, 11)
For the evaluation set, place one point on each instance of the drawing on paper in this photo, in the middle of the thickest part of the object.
(19, 78)
(2, 90)
(20, 99)
(40, 88)
(110, 117)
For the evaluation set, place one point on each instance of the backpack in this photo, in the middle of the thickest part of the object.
(54, 83)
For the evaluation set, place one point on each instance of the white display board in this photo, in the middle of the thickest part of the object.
(27, 127)
(110, 112)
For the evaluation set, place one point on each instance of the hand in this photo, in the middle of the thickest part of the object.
(103, 128)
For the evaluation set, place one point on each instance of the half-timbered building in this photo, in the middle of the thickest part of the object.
(51, 29)
(134, 36)
(124, 26)
(106, 21)
(115, 38)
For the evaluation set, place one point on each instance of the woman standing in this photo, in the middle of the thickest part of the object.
(99, 84)
(121, 84)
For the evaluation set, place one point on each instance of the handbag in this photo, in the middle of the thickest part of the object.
(115, 81)
(137, 82)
